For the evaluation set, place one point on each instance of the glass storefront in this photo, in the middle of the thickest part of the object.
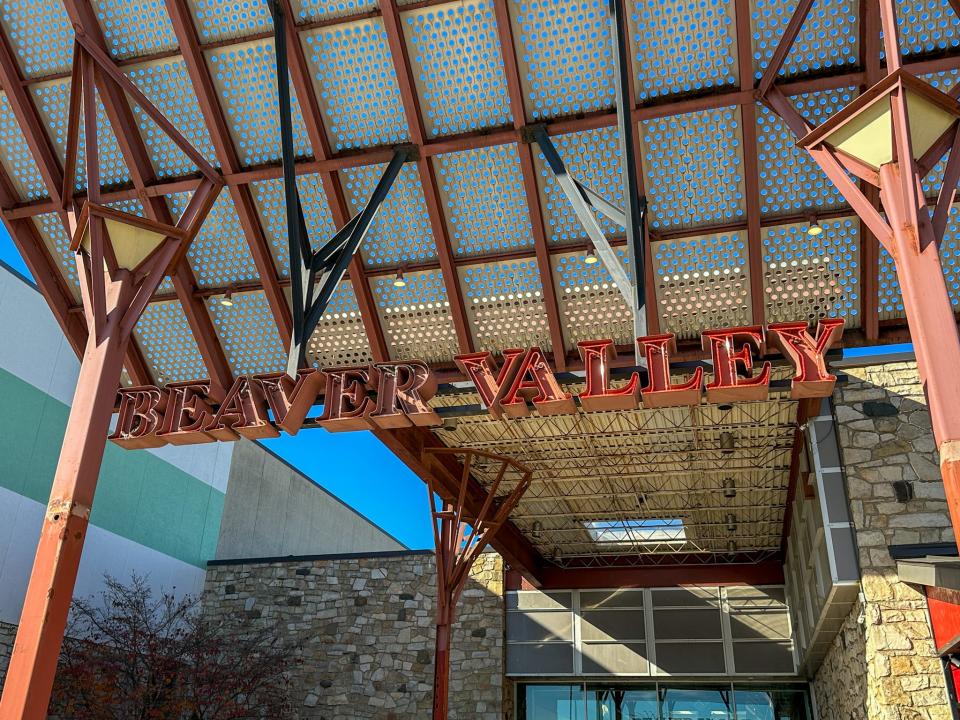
(661, 701)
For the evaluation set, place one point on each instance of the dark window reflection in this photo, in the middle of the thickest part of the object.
(696, 703)
(661, 701)
(621, 702)
(780, 704)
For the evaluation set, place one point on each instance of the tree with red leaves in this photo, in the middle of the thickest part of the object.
(136, 657)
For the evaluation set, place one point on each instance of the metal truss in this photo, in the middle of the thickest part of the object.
(315, 275)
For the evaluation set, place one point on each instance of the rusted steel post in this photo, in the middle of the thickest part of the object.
(441, 672)
(462, 528)
(33, 663)
(933, 328)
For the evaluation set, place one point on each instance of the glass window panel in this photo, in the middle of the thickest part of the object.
(615, 599)
(551, 702)
(756, 596)
(540, 659)
(779, 704)
(614, 659)
(543, 625)
(763, 657)
(691, 624)
(696, 703)
(760, 624)
(691, 658)
(621, 703)
(685, 597)
(612, 625)
(536, 600)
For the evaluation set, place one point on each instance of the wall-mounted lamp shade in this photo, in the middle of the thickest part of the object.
(864, 129)
(133, 239)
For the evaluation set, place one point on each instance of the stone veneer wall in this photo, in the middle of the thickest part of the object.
(883, 666)
(370, 626)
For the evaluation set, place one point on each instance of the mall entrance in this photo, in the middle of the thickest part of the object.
(662, 701)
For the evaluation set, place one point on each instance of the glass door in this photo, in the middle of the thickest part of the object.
(621, 702)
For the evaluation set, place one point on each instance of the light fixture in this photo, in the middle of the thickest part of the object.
(398, 281)
(731, 522)
(449, 424)
(726, 442)
(227, 299)
(591, 257)
(814, 228)
(536, 532)
(725, 407)
(731, 546)
(863, 130)
(729, 487)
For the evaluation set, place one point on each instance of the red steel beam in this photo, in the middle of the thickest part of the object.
(751, 170)
(227, 157)
(428, 181)
(766, 572)
(869, 245)
(408, 444)
(528, 174)
(137, 158)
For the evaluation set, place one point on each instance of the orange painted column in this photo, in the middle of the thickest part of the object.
(33, 663)
(933, 329)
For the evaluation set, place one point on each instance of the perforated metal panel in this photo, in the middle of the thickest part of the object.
(58, 245)
(52, 100)
(339, 338)
(504, 303)
(16, 158)
(702, 282)
(484, 202)
(828, 38)
(890, 302)
(133, 28)
(167, 84)
(683, 46)
(356, 84)
(592, 157)
(693, 165)
(246, 79)
(248, 334)
(271, 204)
(790, 180)
(456, 60)
(40, 35)
(310, 10)
(927, 26)
(416, 318)
(163, 334)
(564, 54)
(811, 277)
(589, 302)
(400, 233)
(219, 254)
(228, 19)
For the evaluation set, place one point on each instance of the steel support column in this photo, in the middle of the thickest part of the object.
(113, 302)
(459, 538)
(908, 232)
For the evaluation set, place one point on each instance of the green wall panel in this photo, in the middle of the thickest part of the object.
(139, 496)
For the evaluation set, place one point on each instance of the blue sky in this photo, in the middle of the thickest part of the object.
(354, 466)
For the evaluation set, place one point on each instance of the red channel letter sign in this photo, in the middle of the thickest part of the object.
(397, 394)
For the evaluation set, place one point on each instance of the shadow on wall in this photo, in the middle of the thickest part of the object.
(883, 663)
(368, 632)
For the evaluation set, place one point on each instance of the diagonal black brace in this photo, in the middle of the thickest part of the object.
(314, 276)
(584, 201)
(634, 206)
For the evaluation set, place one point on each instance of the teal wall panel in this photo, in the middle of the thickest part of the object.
(139, 496)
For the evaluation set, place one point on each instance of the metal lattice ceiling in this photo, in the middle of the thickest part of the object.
(490, 248)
